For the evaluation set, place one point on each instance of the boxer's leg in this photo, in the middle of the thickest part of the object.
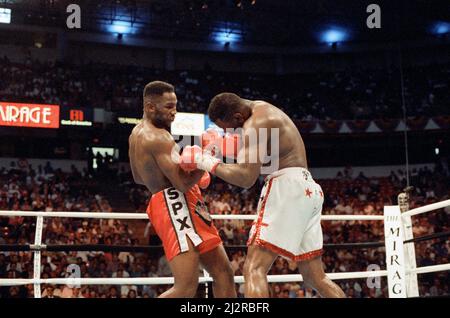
(217, 264)
(256, 266)
(185, 268)
(314, 276)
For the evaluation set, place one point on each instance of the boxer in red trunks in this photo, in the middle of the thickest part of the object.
(176, 209)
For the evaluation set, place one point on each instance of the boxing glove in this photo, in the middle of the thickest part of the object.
(230, 145)
(193, 158)
(187, 158)
(204, 181)
(211, 141)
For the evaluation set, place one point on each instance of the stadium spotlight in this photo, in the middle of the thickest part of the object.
(334, 35)
(120, 27)
(440, 28)
(224, 37)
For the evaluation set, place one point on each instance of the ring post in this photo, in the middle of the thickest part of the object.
(37, 257)
(395, 260)
(412, 286)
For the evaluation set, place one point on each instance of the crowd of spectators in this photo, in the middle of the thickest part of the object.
(354, 93)
(44, 188)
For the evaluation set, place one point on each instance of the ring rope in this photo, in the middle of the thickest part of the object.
(144, 216)
(428, 237)
(170, 280)
(427, 208)
(144, 248)
(237, 279)
(147, 248)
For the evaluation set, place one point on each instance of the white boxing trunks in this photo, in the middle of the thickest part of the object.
(289, 213)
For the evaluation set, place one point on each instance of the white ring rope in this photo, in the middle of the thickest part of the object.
(143, 216)
(427, 208)
(237, 279)
(431, 269)
(170, 280)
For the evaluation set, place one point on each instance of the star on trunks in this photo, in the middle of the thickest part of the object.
(308, 192)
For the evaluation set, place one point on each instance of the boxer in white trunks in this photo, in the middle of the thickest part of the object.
(290, 205)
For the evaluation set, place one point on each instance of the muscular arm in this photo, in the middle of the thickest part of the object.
(166, 156)
(245, 173)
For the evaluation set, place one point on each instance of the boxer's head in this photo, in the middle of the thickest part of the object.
(228, 110)
(160, 103)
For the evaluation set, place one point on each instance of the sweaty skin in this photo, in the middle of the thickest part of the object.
(291, 147)
(151, 152)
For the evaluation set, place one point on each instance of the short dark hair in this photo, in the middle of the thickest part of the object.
(222, 106)
(157, 88)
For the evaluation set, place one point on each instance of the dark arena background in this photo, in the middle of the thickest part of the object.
(367, 87)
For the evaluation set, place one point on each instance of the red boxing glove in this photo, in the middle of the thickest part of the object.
(187, 158)
(204, 181)
(193, 158)
(211, 141)
(231, 145)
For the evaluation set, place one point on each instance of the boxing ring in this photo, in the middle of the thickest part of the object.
(401, 270)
